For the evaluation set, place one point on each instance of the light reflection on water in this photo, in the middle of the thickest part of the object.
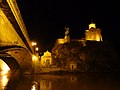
(61, 82)
(3, 80)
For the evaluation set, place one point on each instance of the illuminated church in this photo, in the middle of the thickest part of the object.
(92, 34)
(46, 59)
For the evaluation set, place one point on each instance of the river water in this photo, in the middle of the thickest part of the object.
(94, 81)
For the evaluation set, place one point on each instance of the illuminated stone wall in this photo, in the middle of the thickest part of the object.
(60, 41)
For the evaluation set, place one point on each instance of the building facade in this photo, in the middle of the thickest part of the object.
(93, 33)
(46, 59)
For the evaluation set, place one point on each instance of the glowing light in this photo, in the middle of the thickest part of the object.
(3, 82)
(92, 25)
(60, 41)
(34, 43)
(36, 48)
(33, 87)
(4, 67)
(97, 38)
(34, 57)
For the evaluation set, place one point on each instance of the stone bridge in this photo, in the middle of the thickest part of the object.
(15, 45)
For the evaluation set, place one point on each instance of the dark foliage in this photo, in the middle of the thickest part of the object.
(94, 57)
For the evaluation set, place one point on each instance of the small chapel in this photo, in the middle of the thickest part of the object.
(46, 59)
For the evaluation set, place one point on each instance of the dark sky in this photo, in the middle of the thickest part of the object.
(45, 19)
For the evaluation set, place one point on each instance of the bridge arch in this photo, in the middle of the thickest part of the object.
(17, 58)
(12, 64)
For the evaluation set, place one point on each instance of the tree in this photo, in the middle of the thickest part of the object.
(94, 57)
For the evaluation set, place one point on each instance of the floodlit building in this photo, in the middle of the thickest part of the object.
(93, 34)
(46, 59)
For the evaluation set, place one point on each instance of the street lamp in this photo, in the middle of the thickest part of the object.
(34, 43)
(36, 49)
(34, 46)
(35, 57)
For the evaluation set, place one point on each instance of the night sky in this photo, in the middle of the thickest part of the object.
(45, 20)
